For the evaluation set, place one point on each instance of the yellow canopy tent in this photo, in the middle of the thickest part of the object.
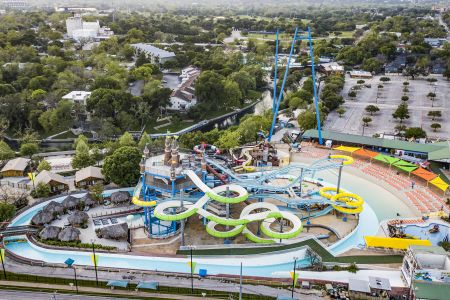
(439, 183)
(346, 149)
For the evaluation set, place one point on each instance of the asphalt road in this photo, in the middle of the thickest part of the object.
(11, 294)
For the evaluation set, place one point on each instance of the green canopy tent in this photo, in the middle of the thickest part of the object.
(405, 166)
(386, 159)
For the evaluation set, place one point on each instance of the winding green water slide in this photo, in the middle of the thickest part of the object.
(263, 212)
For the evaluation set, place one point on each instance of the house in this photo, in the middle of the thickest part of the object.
(435, 42)
(183, 97)
(429, 264)
(331, 68)
(360, 74)
(56, 182)
(397, 65)
(17, 167)
(437, 67)
(78, 97)
(376, 288)
(154, 54)
(88, 176)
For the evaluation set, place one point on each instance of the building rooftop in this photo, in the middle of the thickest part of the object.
(431, 290)
(16, 164)
(46, 177)
(77, 95)
(379, 283)
(161, 53)
(88, 172)
(358, 285)
(377, 142)
(428, 249)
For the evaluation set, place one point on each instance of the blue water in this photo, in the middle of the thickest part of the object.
(217, 265)
(424, 234)
(276, 265)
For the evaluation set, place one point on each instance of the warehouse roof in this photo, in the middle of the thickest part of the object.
(161, 53)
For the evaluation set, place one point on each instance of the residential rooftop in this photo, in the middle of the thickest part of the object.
(161, 53)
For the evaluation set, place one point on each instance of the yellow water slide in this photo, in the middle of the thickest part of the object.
(136, 201)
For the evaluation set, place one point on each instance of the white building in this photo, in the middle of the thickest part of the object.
(16, 4)
(154, 54)
(183, 97)
(426, 263)
(79, 97)
(81, 30)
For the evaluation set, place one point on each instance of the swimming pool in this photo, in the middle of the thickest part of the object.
(423, 233)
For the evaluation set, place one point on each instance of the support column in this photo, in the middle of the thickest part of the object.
(339, 178)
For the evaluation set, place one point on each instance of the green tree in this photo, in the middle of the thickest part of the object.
(434, 114)
(385, 79)
(42, 190)
(432, 97)
(366, 121)
(405, 98)
(142, 73)
(44, 165)
(80, 138)
(6, 152)
(209, 89)
(229, 139)
(352, 94)
(307, 120)
(96, 191)
(372, 109)
(405, 83)
(341, 111)
(29, 149)
(126, 140)
(7, 211)
(402, 112)
(82, 157)
(122, 167)
(415, 132)
(435, 126)
(361, 81)
(232, 93)
(144, 140)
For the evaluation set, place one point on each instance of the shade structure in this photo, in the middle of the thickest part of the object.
(347, 149)
(366, 153)
(405, 166)
(439, 183)
(386, 159)
(117, 283)
(424, 174)
(149, 285)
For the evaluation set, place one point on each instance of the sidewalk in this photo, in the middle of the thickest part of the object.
(102, 291)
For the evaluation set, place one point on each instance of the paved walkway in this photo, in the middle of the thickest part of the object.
(106, 292)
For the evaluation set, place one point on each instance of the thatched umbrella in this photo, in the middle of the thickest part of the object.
(120, 196)
(70, 202)
(116, 232)
(50, 233)
(78, 218)
(69, 234)
(88, 200)
(42, 217)
(54, 208)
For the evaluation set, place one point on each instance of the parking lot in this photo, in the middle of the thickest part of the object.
(389, 98)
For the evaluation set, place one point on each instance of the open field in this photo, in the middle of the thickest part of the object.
(389, 98)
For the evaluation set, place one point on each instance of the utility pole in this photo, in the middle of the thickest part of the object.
(240, 284)
(94, 258)
(293, 277)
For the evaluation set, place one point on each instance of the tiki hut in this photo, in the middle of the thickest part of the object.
(120, 197)
(50, 233)
(69, 234)
(88, 200)
(115, 232)
(42, 217)
(71, 202)
(54, 208)
(78, 218)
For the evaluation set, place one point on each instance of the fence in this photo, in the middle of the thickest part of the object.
(17, 185)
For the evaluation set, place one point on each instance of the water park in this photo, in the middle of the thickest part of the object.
(266, 205)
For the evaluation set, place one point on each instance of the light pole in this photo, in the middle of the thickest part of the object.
(293, 277)
(191, 247)
(240, 284)
(69, 262)
(94, 258)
